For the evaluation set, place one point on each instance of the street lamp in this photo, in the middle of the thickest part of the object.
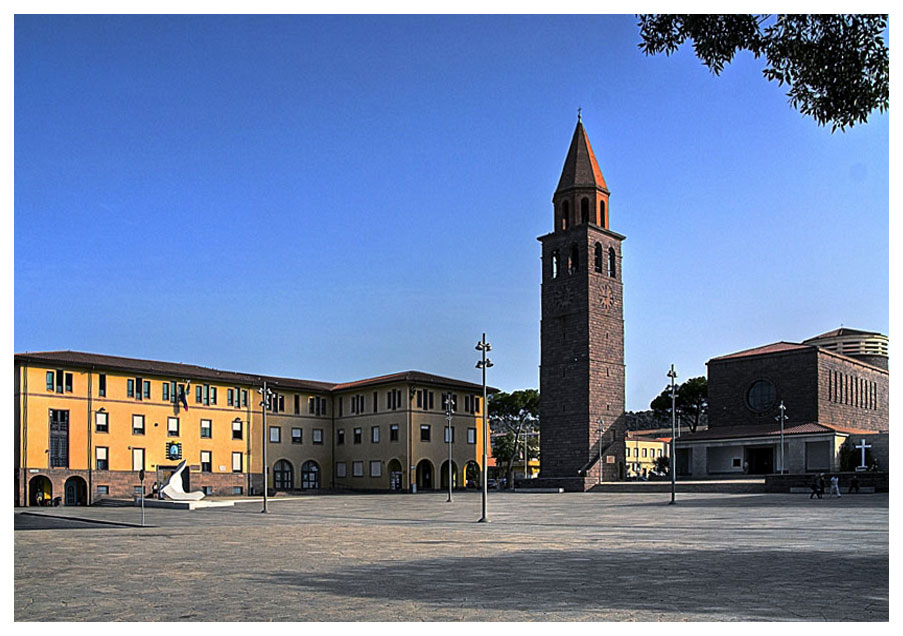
(781, 419)
(484, 364)
(448, 438)
(600, 430)
(265, 394)
(673, 375)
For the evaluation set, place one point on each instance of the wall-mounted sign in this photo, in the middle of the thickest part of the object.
(173, 450)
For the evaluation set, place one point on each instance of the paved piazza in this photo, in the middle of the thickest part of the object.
(546, 557)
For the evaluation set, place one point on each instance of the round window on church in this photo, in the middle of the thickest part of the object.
(761, 396)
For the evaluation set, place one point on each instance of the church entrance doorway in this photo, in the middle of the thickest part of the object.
(76, 491)
(760, 459)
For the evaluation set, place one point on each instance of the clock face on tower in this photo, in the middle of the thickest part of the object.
(563, 297)
(605, 298)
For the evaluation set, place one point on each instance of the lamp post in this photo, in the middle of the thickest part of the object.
(484, 364)
(600, 430)
(448, 438)
(781, 418)
(265, 394)
(673, 375)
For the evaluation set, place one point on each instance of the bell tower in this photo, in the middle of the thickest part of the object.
(581, 378)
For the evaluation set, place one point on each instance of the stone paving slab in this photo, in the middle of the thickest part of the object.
(543, 557)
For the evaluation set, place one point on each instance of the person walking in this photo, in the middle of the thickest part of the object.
(814, 487)
(821, 485)
(854, 485)
(835, 485)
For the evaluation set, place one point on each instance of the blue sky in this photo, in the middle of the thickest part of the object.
(336, 197)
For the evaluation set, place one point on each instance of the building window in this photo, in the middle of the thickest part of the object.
(297, 404)
(130, 388)
(165, 392)
(574, 260)
(146, 384)
(207, 490)
(430, 396)
(374, 435)
(237, 490)
(424, 432)
(213, 395)
(172, 427)
(357, 469)
(556, 264)
(449, 434)
(565, 215)
(230, 397)
(296, 435)
(341, 469)
(340, 437)
(317, 435)
(627, 451)
(357, 436)
(68, 383)
(761, 395)
(376, 469)
(471, 436)
(584, 210)
(102, 385)
(101, 457)
(236, 462)
(275, 435)
(103, 490)
(236, 429)
(206, 429)
(244, 397)
(137, 459)
(198, 394)
(102, 422)
(206, 462)
(644, 452)
(612, 269)
(50, 380)
(597, 258)
(393, 433)
(137, 425)
(341, 405)
(602, 213)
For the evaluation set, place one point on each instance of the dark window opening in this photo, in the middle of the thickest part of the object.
(612, 269)
(597, 261)
(584, 210)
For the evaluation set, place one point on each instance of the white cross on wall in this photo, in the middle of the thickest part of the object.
(862, 446)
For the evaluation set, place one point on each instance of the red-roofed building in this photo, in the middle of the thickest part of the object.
(828, 398)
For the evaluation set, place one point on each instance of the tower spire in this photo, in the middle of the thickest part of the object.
(580, 167)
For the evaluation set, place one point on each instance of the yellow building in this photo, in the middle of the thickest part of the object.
(86, 424)
(641, 451)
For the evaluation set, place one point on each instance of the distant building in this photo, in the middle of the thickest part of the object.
(641, 450)
(86, 424)
(829, 397)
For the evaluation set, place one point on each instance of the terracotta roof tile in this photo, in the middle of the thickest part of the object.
(765, 349)
(580, 167)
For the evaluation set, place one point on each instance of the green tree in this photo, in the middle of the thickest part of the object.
(835, 66)
(691, 402)
(661, 464)
(512, 416)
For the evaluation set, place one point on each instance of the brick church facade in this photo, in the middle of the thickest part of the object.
(582, 331)
(830, 399)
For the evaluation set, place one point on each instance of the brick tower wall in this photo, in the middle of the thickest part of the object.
(582, 354)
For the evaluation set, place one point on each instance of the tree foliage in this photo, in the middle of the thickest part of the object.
(691, 403)
(511, 416)
(835, 66)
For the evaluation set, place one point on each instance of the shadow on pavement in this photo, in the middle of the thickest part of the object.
(748, 585)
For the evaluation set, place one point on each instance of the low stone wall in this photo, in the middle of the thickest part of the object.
(783, 483)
